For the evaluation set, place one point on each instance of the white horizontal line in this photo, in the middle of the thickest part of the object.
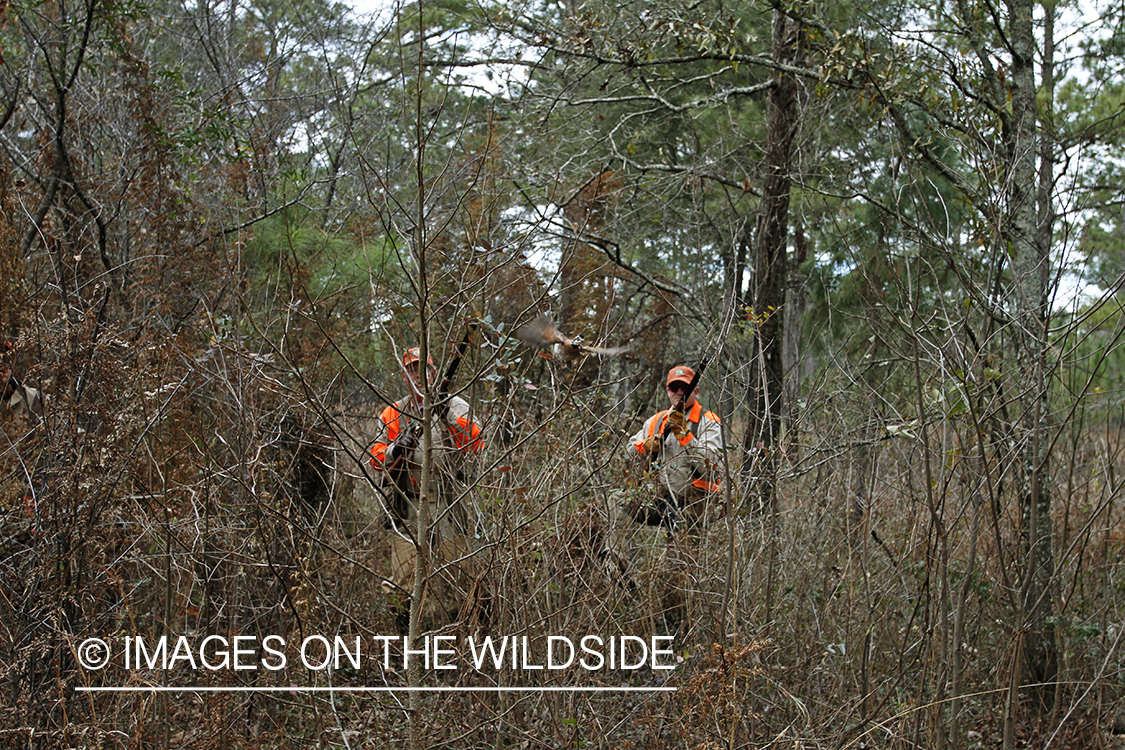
(384, 689)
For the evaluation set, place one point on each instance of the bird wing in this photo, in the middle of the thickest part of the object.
(603, 351)
(542, 332)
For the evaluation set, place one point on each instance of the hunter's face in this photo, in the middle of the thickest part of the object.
(677, 391)
(413, 378)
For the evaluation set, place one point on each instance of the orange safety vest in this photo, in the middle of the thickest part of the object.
(466, 434)
(656, 426)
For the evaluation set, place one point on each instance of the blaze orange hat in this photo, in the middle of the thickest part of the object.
(680, 374)
(413, 354)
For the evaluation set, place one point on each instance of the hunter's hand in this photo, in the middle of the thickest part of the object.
(651, 445)
(677, 422)
(402, 447)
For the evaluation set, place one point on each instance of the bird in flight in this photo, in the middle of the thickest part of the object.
(543, 332)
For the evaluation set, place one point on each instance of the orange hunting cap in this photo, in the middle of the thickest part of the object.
(413, 354)
(680, 374)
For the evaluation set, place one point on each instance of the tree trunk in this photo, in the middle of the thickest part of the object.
(1030, 248)
(767, 285)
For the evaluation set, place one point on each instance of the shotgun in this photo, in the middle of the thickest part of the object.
(442, 402)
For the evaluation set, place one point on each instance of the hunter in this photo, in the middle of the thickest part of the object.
(396, 457)
(683, 445)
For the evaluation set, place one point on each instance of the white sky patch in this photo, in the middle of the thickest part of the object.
(1073, 290)
(493, 78)
(543, 234)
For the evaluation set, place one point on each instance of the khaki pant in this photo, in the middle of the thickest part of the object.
(451, 574)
